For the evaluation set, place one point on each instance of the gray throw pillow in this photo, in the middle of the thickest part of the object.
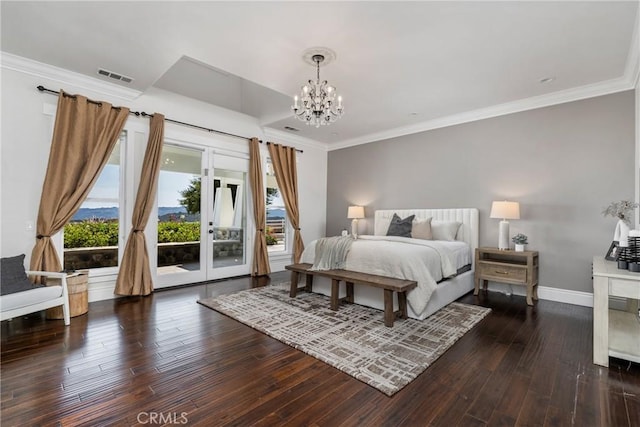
(400, 227)
(13, 277)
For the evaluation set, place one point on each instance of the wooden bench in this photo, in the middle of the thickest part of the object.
(388, 284)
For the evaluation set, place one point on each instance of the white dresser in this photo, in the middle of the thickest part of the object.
(615, 332)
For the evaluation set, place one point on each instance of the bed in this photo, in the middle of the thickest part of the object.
(376, 254)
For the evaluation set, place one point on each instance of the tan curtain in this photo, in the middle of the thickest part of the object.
(134, 277)
(284, 165)
(260, 265)
(84, 135)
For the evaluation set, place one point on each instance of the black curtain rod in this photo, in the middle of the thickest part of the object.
(143, 114)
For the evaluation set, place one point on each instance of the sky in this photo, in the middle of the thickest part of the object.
(169, 186)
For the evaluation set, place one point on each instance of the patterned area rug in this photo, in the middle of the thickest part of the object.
(354, 338)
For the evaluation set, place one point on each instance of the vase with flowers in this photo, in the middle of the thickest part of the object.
(623, 211)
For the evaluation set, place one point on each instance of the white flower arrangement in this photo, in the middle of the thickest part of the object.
(621, 210)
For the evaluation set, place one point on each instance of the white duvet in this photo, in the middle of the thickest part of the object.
(425, 261)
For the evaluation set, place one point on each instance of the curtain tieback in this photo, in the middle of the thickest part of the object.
(297, 229)
(135, 230)
(41, 236)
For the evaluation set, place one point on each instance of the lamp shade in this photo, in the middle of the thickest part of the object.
(505, 210)
(355, 212)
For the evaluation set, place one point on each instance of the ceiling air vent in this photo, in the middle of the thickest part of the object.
(115, 76)
(289, 128)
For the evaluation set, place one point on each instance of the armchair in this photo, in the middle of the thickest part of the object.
(37, 299)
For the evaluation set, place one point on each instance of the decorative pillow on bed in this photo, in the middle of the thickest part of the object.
(421, 229)
(400, 227)
(13, 277)
(445, 230)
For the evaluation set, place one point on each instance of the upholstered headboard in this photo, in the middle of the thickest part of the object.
(468, 232)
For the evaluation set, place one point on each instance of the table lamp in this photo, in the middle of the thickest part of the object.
(354, 214)
(504, 210)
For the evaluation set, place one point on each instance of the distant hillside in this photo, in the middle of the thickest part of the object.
(275, 214)
(112, 212)
(164, 213)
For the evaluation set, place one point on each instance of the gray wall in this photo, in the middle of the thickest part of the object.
(563, 163)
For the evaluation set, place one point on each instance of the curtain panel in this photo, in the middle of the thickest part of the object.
(260, 266)
(84, 135)
(284, 165)
(134, 277)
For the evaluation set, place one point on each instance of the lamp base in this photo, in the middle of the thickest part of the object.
(503, 235)
(354, 228)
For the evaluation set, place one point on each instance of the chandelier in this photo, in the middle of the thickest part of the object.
(317, 104)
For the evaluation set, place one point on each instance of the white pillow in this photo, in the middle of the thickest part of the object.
(445, 230)
(382, 225)
(421, 229)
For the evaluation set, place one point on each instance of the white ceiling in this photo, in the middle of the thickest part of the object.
(400, 65)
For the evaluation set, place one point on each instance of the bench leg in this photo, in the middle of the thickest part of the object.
(293, 290)
(388, 308)
(402, 304)
(309, 283)
(349, 292)
(335, 289)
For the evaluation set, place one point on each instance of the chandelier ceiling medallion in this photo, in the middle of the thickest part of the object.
(318, 103)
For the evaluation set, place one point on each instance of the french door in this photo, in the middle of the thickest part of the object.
(202, 215)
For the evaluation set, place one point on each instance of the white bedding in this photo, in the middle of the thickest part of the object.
(426, 261)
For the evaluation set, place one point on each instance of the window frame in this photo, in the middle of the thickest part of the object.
(124, 213)
(288, 229)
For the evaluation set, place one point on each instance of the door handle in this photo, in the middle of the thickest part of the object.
(210, 231)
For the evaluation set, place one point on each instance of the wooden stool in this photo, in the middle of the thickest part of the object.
(77, 284)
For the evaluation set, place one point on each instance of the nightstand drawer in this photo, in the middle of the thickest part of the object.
(502, 272)
(624, 288)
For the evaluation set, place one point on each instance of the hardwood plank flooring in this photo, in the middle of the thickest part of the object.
(166, 360)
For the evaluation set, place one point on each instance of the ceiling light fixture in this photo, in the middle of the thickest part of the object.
(317, 104)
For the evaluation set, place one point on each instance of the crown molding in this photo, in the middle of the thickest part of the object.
(298, 141)
(12, 62)
(569, 95)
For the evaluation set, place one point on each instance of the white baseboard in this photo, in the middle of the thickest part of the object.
(104, 290)
(278, 262)
(101, 291)
(546, 293)
(564, 295)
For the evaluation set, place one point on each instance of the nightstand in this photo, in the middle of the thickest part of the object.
(515, 268)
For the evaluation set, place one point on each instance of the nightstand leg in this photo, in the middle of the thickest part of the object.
(477, 287)
(529, 294)
(535, 292)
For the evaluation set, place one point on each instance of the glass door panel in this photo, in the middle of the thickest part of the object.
(228, 224)
(228, 219)
(179, 214)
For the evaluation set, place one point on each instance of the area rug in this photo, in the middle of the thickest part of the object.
(354, 338)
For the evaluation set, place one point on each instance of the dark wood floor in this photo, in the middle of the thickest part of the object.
(166, 360)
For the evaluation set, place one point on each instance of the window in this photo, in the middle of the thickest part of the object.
(91, 238)
(276, 214)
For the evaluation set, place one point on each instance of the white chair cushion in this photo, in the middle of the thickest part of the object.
(31, 297)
